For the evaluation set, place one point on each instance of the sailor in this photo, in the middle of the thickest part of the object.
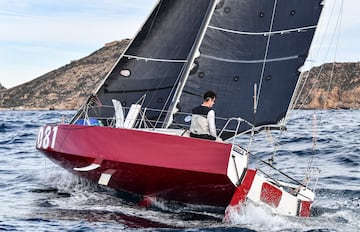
(203, 118)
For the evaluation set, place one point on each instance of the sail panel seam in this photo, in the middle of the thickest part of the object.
(265, 33)
(154, 59)
(139, 90)
(249, 61)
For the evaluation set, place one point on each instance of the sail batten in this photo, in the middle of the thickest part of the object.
(249, 61)
(265, 33)
(154, 59)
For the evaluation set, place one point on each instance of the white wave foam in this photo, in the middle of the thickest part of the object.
(256, 217)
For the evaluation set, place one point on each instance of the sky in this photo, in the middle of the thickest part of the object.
(38, 36)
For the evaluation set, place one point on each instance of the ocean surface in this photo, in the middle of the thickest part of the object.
(37, 195)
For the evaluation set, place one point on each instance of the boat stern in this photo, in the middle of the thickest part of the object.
(281, 198)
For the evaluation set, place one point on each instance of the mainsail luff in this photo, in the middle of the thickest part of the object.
(265, 57)
(298, 88)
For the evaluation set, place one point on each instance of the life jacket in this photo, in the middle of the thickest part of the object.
(199, 122)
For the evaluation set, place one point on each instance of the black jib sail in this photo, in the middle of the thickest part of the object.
(252, 48)
(155, 59)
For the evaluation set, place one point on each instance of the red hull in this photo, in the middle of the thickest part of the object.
(147, 163)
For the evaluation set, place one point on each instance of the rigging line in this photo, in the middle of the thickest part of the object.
(274, 143)
(310, 163)
(300, 85)
(338, 25)
(169, 96)
(82, 109)
(266, 53)
(332, 39)
(154, 19)
(172, 88)
(298, 90)
(321, 67)
(191, 57)
(325, 31)
(312, 88)
(154, 59)
(299, 29)
(276, 169)
(248, 61)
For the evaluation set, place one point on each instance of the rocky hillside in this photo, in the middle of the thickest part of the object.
(328, 86)
(2, 87)
(331, 86)
(66, 87)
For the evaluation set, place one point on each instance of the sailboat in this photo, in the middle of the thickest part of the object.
(132, 133)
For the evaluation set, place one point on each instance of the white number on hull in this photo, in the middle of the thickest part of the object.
(44, 137)
(39, 137)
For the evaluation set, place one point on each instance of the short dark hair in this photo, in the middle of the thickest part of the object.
(209, 94)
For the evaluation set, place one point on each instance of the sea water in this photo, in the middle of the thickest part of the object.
(37, 195)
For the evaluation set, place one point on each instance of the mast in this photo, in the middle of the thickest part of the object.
(185, 74)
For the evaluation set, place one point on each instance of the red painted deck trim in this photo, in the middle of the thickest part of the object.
(270, 194)
(242, 190)
(305, 208)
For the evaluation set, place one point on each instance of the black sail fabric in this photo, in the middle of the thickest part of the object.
(155, 59)
(248, 42)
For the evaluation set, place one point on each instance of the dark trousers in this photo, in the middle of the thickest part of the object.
(202, 136)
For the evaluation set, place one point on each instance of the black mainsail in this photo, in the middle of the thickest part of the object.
(251, 44)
